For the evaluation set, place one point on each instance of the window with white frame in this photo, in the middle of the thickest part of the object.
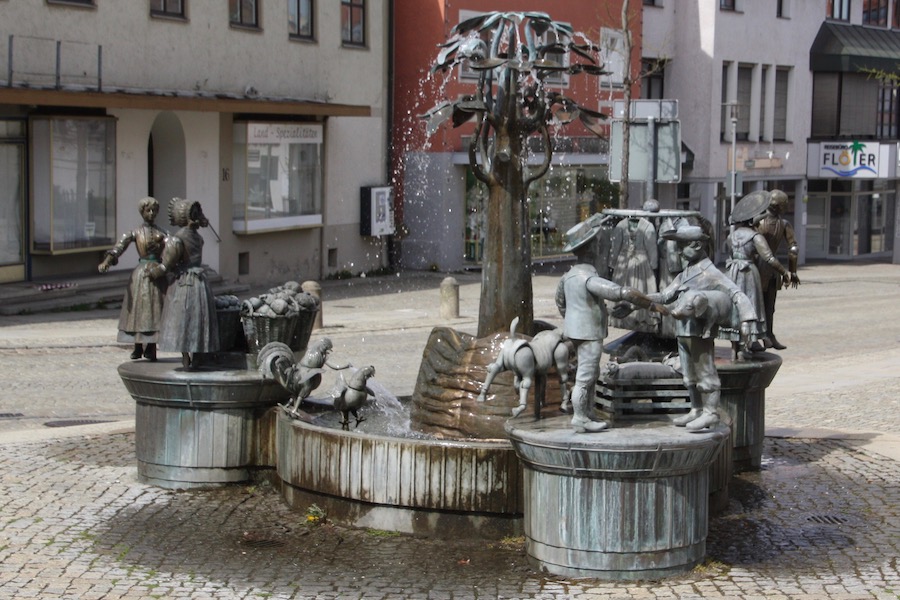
(277, 176)
(612, 48)
(559, 55)
(838, 10)
(73, 183)
(783, 9)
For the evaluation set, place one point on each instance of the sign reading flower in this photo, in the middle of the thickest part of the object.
(849, 159)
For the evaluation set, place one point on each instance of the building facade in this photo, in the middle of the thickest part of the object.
(799, 112)
(270, 113)
(439, 199)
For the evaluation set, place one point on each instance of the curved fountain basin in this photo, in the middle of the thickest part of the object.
(202, 428)
(439, 488)
(633, 499)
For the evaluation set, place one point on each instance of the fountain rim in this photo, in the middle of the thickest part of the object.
(486, 443)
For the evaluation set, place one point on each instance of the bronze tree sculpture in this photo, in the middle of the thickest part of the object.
(515, 55)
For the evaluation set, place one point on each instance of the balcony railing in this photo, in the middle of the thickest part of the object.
(48, 63)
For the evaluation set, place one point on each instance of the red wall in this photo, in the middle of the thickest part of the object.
(420, 26)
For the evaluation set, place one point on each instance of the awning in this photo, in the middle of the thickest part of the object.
(849, 48)
(172, 100)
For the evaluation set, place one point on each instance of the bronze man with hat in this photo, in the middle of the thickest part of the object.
(696, 339)
(580, 298)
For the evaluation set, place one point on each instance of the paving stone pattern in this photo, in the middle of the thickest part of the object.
(821, 520)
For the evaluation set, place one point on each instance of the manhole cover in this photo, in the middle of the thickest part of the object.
(262, 543)
(73, 422)
(827, 519)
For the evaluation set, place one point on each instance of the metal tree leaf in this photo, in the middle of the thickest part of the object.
(445, 56)
(592, 69)
(592, 113)
(469, 24)
(555, 48)
(545, 64)
(461, 116)
(584, 51)
(520, 65)
(538, 23)
(437, 116)
(471, 104)
(566, 113)
(563, 29)
(590, 122)
(486, 64)
(491, 18)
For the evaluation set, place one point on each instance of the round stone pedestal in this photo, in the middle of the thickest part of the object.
(625, 504)
(199, 429)
(743, 404)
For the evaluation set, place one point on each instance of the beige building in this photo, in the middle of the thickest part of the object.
(774, 93)
(271, 113)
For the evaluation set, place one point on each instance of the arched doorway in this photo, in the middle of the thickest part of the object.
(166, 170)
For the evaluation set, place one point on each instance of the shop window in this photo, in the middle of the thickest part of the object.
(12, 194)
(73, 183)
(887, 111)
(353, 22)
(167, 8)
(277, 176)
(243, 13)
(301, 19)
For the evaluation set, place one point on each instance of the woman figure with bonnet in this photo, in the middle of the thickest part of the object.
(189, 323)
(143, 302)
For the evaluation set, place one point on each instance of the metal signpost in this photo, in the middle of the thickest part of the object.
(654, 142)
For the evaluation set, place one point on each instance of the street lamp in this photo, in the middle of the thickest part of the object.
(733, 111)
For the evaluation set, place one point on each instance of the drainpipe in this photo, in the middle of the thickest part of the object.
(389, 127)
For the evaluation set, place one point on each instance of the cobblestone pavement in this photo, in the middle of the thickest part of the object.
(820, 520)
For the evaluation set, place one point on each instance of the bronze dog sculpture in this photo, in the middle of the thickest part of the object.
(530, 361)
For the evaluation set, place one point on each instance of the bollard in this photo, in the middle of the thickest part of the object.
(315, 289)
(449, 298)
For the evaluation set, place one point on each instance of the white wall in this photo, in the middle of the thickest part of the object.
(203, 53)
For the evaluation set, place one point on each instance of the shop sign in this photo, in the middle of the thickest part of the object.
(284, 133)
(856, 160)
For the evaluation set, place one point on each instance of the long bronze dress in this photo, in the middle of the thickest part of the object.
(634, 258)
(142, 305)
(746, 247)
(189, 322)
